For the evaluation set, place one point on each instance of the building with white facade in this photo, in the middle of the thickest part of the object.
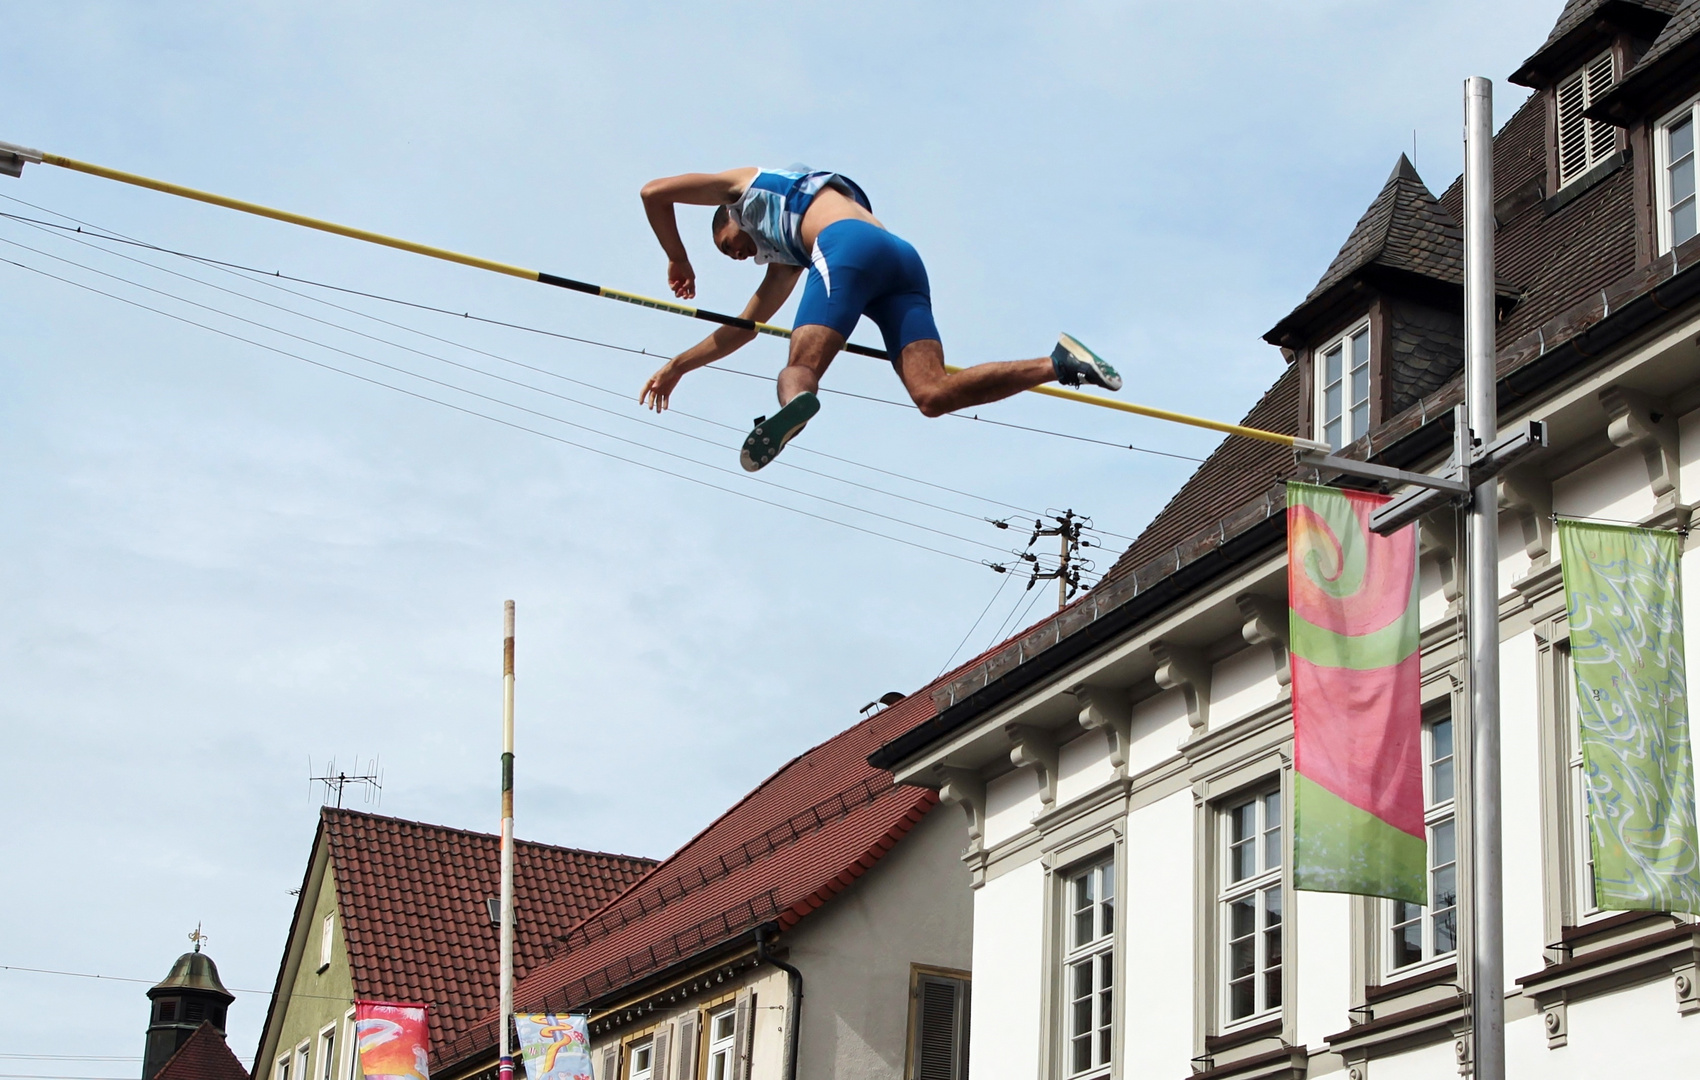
(1124, 768)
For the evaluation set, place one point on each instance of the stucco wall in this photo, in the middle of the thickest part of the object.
(914, 907)
(1009, 925)
(315, 999)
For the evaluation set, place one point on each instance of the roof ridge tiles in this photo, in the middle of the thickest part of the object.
(327, 811)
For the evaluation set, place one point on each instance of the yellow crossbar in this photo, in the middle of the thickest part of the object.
(479, 263)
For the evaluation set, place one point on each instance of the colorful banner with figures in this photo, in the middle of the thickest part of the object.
(1625, 599)
(554, 1047)
(1357, 707)
(393, 1040)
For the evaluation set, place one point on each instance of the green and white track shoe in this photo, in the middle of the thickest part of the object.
(1075, 364)
(772, 432)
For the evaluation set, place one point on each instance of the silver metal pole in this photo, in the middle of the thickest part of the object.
(505, 1066)
(1487, 983)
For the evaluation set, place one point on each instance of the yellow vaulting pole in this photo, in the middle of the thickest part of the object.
(13, 158)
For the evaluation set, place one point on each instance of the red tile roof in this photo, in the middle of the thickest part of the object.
(412, 901)
(802, 836)
(204, 1055)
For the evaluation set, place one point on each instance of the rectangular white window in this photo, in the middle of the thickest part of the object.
(282, 1070)
(1089, 970)
(1582, 905)
(351, 1048)
(1583, 143)
(643, 1062)
(327, 1053)
(326, 932)
(1250, 902)
(722, 1043)
(1673, 146)
(1418, 934)
(302, 1059)
(1342, 388)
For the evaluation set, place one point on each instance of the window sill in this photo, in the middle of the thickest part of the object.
(1623, 963)
(1287, 1063)
(1591, 930)
(1228, 1040)
(1421, 980)
(1567, 194)
(1435, 1019)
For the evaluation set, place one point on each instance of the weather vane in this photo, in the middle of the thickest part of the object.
(197, 937)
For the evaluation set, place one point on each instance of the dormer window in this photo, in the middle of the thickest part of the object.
(1583, 143)
(1342, 387)
(1673, 152)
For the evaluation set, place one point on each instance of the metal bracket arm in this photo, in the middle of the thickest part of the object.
(14, 158)
(1371, 471)
(1505, 452)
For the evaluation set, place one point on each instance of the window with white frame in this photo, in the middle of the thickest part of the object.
(1582, 905)
(1583, 143)
(327, 1053)
(352, 1045)
(1342, 387)
(643, 1061)
(1251, 905)
(1673, 155)
(326, 937)
(281, 1072)
(1418, 934)
(722, 1043)
(1089, 969)
(303, 1056)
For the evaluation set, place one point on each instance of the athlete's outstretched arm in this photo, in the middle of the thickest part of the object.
(695, 189)
(725, 340)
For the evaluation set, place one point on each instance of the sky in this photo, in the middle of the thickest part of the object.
(232, 551)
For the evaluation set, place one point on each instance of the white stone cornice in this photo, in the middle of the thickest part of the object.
(1528, 495)
(1647, 424)
(1109, 711)
(1036, 749)
(1186, 670)
(965, 788)
(1267, 623)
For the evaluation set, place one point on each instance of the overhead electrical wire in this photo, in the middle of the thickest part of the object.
(486, 416)
(115, 237)
(483, 397)
(625, 415)
(83, 237)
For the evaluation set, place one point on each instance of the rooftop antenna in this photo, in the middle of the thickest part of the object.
(371, 782)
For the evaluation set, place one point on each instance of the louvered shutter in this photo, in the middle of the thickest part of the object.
(610, 1069)
(1583, 143)
(743, 1012)
(940, 1049)
(658, 1062)
(687, 1052)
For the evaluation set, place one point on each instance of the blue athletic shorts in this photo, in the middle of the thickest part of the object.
(860, 269)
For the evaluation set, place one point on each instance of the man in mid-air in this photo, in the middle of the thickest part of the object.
(822, 221)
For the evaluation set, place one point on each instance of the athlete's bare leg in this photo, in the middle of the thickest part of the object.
(812, 349)
(937, 391)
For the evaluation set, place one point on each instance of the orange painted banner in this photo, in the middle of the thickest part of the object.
(393, 1039)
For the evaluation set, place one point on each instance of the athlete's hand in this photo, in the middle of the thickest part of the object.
(660, 387)
(682, 278)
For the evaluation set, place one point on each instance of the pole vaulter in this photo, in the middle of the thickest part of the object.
(766, 214)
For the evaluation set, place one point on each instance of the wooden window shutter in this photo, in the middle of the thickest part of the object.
(658, 1052)
(940, 1047)
(1583, 143)
(742, 1037)
(610, 1067)
(687, 1047)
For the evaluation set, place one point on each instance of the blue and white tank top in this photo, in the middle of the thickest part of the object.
(771, 210)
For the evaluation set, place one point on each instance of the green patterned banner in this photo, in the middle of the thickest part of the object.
(1625, 598)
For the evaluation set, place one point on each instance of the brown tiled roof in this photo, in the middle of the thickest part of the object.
(804, 835)
(204, 1055)
(1555, 257)
(412, 898)
(1574, 32)
(1237, 471)
(1573, 260)
(1405, 229)
(1659, 74)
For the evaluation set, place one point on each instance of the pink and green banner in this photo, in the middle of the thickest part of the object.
(1357, 704)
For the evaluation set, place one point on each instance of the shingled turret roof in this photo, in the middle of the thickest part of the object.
(1576, 33)
(1658, 73)
(203, 1056)
(1404, 231)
